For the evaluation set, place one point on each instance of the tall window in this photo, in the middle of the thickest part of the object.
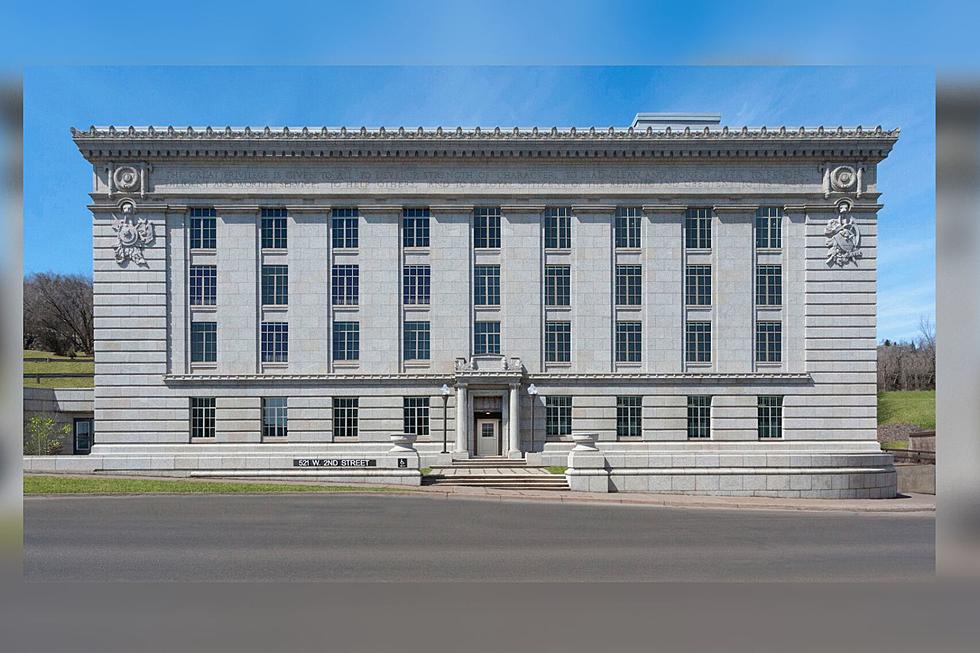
(698, 342)
(769, 285)
(275, 342)
(203, 285)
(558, 228)
(415, 414)
(699, 416)
(204, 342)
(345, 285)
(202, 417)
(628, 227)
(274, 417)
(697, 285)
(204, 229)
(343, 228)
(558, 416)
(768, 227)
(697, 229)
(629, 283)
(486, 228)
(557, 342)
(557, 285)
(346, 341)
(345, 417)
(415, 227)
(486, 338)
(273, 228)
(629, 417)
(486, 285)
(416, 343)
(275, 285)
(770, 417)
(629, 342)
(768, 342)
(416, 285)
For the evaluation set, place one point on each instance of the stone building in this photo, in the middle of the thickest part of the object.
(699, 299)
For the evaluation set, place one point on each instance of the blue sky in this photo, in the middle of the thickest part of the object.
(57, 180)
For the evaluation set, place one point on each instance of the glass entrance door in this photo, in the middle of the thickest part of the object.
(83, 435)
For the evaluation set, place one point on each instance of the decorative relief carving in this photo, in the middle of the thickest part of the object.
(127, 178)
(133, 233)
(843, 236)
(843, 178)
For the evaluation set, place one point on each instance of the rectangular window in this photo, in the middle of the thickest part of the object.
(770, 417)
(415, 413)
(557, 285)
(558, 228)
(629, 284)
(558, 416)
(275, 285)
(697, 229)
(345, 286)
(486, 285)
(345, 417)
(415, 227)
(416, 285)
(697, 285)
(769, 227)
(274, 417)
(486, 228)
(204, 342)
(629, 342)
(628, 227)
(768, 342)
(204, 229)
(486, 338)
(416, 343)
(769, 285)
(273, 228)
(202, 417)
(346, 341)
(698, 342)
(699, 416)
(203, 285)
(629, 417)
(343, 228)
(275, 342)
(558, 342)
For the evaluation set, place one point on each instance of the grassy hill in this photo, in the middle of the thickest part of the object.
(916, 407)
(44, 362)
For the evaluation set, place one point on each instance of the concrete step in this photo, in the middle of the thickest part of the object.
(501, 481)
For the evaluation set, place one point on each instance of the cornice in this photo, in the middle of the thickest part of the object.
(855, 208)
(378, 209)
(735, 208)
(477, 376)
(519, 209)
(103, 143)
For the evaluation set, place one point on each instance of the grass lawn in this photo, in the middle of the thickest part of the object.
(908, 407)
(39, 484)
(556, 469)
(57, 365)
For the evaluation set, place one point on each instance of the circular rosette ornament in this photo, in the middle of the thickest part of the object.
(127, 178)
(843, 178)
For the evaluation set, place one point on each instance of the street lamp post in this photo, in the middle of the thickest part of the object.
(533, 392)
(445, 402)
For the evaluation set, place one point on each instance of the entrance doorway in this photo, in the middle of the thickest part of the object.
(487, 436)
(82, 440)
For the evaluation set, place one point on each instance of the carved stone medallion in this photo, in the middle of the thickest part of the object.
(133, 233)
(843, 236)
(127, 178)
(843, 178)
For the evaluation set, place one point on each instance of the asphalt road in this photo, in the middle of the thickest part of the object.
(387, 538)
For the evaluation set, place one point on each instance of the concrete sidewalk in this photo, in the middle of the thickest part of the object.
(907, 504)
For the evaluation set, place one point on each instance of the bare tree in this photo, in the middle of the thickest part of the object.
(909, 365)
(58, 313)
